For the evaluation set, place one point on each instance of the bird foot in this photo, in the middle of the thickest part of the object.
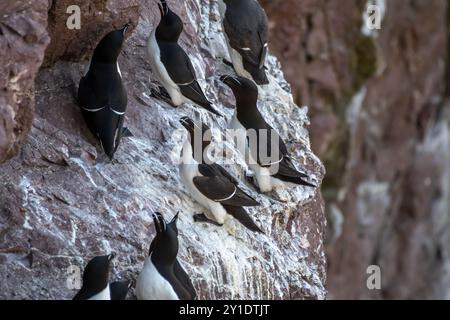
(202, 218)
(251, 179)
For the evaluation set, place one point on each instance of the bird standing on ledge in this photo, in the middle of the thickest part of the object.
(163, 277)
(268, 156)
(211, 185)
(246, 31)
(102, 96)
(96, 279)
(172, 65)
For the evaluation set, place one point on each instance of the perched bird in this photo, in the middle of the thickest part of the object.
(119, 289)
(172, 65)
(267, 156)
(96, 279)
(101, 94)
(246, 30)
(211, 185)
(163, 277)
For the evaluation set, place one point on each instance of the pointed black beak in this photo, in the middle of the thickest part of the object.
(175, 218)
(163, 8)
(160, 223)
(125, 28)
(111, 256)
(160, 9)
(187, 123)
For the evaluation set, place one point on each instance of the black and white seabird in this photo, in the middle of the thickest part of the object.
(119, 289)
(102, 96)
(210, 184)
(272, 170)
(96, 279)
(246, 30)
(172, 65)
(163, 277)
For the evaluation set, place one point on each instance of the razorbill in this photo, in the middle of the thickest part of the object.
(102, 96)
(171, 64)
(273, 166)
(245, 26)
(95, 279)
(119, 289)
(210, 184)
(163, 277)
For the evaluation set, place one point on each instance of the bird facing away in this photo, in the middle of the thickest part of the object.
(163, 277)
(172, 65)
(211, 185)
(102, 96)
(119, 289)
(272, 166)
(245, 26)
(96, 279)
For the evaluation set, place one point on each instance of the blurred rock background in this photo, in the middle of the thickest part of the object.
(380, 122)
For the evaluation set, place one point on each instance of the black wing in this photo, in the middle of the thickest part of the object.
(184, 279)
(213, 170)
(119, 289)
(221, 190)
(248, 36)
(287, 172)
(87, 97)
(103, 100)
(102, 87)
(224, 187)
(243, 217)
(181, 71)
(286, 168)
(267, 135)
(81, 295)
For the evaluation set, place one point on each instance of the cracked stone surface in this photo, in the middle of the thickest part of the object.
(62, 202)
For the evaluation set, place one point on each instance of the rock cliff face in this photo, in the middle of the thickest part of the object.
(62, 202)
(379, 120)
(23, 39)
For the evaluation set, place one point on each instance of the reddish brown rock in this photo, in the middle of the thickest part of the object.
(377, 121)
(23, 39)
(97, 17)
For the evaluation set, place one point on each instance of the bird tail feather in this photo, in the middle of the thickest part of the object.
(243, 217)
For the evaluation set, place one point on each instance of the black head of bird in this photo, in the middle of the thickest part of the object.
(197, 130)
(109, 48)
(244, 90)
(170, 26)
(96, 273)
(164, 247)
